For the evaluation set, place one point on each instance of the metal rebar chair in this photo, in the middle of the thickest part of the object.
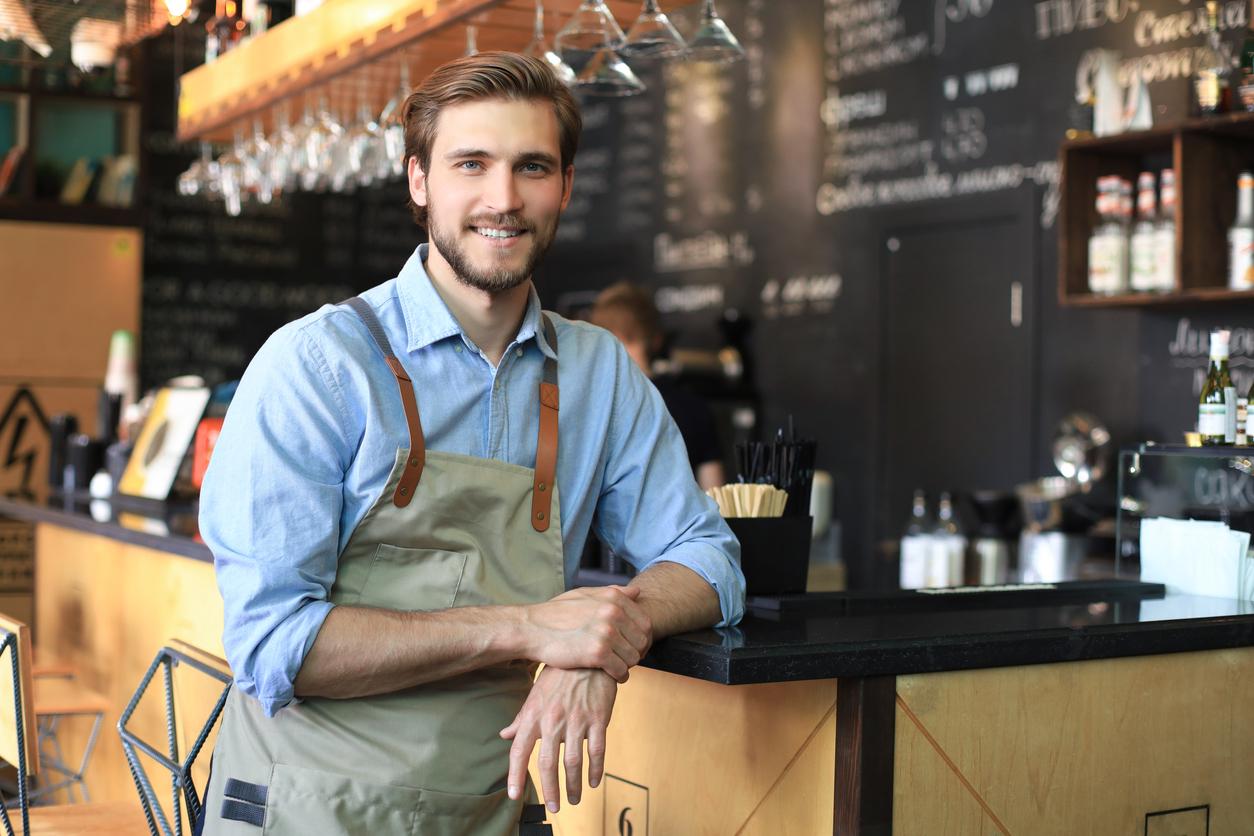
(19, 748)
(185, 801)
(57, 698)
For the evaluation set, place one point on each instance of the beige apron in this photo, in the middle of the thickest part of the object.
(447, 531)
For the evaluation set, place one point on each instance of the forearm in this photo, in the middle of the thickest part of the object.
(360, 652)
(676, 599)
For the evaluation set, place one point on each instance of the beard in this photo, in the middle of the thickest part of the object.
(496, 278)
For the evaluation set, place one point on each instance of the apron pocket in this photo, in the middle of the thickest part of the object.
(413, 579)
(451, 814)
(309, 802)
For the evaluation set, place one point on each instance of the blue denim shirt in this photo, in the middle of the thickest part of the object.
(312, 434)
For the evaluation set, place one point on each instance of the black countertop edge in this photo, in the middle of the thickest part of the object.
(81, 521)
(938, 654)
(769, 659)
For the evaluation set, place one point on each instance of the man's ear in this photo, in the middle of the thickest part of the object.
(417, 182)
(568, 181)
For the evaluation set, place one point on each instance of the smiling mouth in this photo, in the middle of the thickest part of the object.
(497, 233)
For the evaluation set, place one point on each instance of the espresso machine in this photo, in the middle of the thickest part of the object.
(1060, 512)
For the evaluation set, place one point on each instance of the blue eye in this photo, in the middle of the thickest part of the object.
(466, 165)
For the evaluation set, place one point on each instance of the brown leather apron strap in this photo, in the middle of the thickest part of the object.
(417, 444)
(546, 444)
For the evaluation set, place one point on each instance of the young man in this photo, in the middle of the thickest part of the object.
(396, 510)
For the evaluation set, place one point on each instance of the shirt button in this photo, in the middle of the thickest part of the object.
(519, 353)
(458, 349)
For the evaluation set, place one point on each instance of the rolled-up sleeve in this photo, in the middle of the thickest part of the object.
(650, 507)
(270, 512)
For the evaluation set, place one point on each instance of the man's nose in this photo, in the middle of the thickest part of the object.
(502, 194)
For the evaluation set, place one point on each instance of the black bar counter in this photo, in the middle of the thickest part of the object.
(955, 711)
(830, 635)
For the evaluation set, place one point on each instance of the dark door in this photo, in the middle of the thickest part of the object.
(958, 375)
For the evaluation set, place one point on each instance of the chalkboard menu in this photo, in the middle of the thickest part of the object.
(778, 187)
(215, 287)
(783, 187)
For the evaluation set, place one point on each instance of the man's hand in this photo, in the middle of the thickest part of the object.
(590, 627)
(564, 708)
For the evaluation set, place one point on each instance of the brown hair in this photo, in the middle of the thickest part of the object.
(628, 311)
(487, 75)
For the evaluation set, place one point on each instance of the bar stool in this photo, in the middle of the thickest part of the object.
(185, 799)
(58, 697)
(18, 747)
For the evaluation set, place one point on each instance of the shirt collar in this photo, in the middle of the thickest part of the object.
(428, 319)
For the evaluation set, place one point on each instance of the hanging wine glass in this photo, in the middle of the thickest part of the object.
(364, 140)
(231, 175)
(326, 131)
(392, 121)
(256, 160)
(201, 177)
(539, 48)
(652, 36)
(606, 74)
(472, 46)
(591, 28)
(302, 172)
(713, 41)
(341, 178)
(281, 163)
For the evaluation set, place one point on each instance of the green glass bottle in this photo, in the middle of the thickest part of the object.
(1246, 79)
(1217, 407)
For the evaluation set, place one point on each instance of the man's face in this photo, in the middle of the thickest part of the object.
(494, 191)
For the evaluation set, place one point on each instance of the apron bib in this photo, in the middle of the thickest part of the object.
(446, 531)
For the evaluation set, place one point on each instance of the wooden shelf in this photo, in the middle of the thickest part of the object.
(67, 95)
(48, 211)
(354, 46)
(1207, 155)
(1165, 300)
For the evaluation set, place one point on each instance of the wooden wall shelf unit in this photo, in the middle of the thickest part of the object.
(348, 45)
(1207, 155)
(50, 142)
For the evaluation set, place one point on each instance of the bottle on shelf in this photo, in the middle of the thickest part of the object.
(1165, 234)
(224, 29)
(915, 549)
(1108, 246)
(1241, 237)
(1245, 92)
(1249, 419)
(267, 14)
(1212, 65)
(1243, 419)
(948, 547)
(1217, 406)
(1144, 239)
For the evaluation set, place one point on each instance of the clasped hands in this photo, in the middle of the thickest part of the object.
(588, 639)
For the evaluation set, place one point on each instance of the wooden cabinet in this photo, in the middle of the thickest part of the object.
(1207, 155)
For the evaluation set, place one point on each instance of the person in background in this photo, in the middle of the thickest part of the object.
(627, 311)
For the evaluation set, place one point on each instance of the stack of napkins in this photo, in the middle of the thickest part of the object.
(1196, 557)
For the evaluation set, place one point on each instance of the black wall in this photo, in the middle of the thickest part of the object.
(872, 189)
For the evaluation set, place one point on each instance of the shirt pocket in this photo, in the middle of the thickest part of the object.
(413, 579)
(310, 802)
